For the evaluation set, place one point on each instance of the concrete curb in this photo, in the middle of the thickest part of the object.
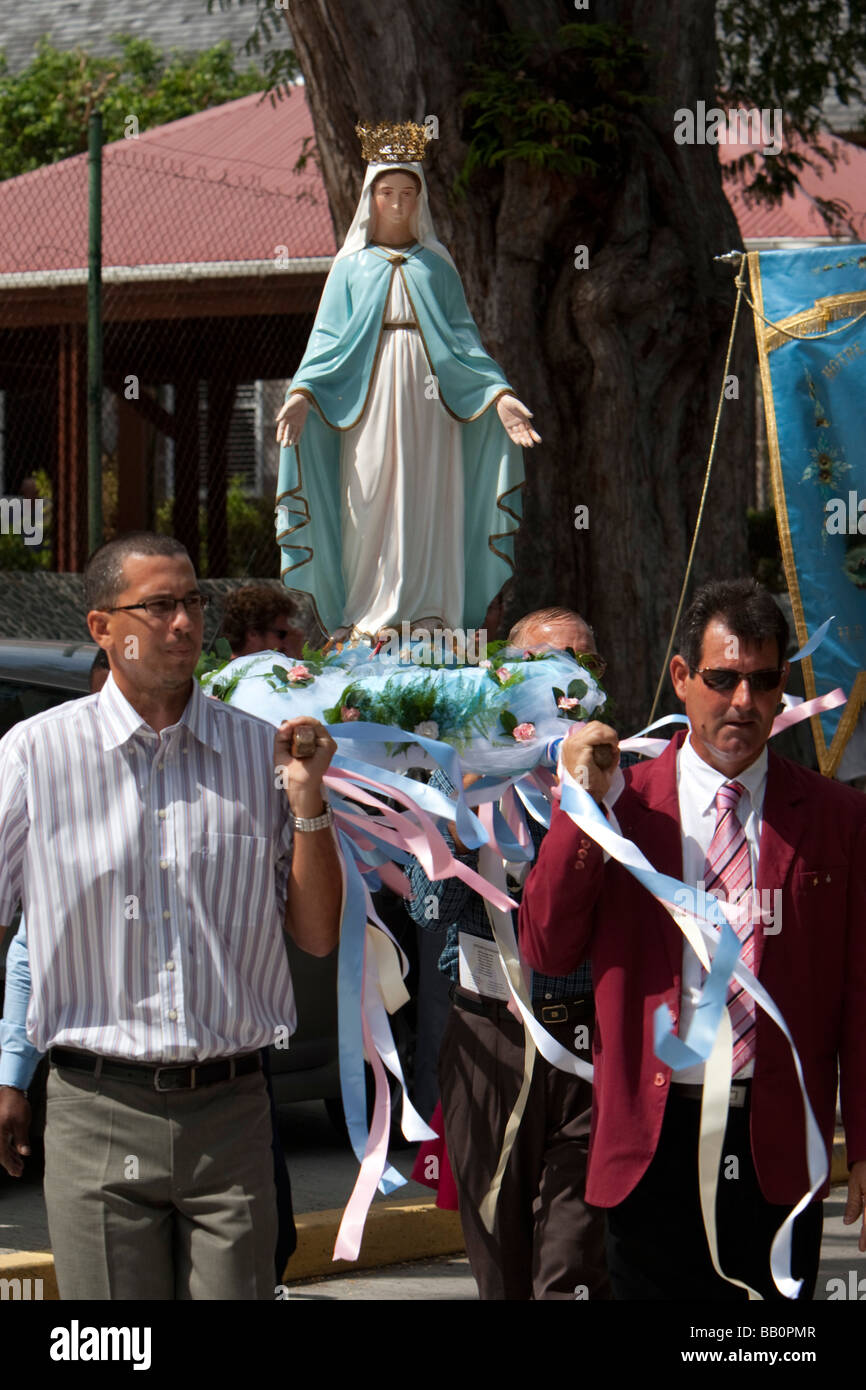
(35, 1270)
(394, 1234)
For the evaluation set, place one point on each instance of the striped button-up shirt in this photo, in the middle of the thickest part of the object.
(153, 872)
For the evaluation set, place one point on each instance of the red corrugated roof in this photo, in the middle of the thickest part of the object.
(217, 186)
(220, 186)
(797, 215)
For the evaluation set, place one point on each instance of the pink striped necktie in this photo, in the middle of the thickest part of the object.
(728, 874)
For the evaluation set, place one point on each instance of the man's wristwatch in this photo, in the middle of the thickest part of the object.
(321, 822)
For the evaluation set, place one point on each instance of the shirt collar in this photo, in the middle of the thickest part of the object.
(120, 721)
(706, 780)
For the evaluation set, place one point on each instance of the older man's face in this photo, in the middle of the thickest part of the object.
(559, 635)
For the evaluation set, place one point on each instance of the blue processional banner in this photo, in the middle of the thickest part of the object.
(810, 325)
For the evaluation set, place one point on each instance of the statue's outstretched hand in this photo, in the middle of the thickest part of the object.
(290, 421)
(515, 418)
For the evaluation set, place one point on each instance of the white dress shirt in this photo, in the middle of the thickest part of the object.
(153, 871)
(697, 785)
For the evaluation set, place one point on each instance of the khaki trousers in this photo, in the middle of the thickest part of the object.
(160, 1195)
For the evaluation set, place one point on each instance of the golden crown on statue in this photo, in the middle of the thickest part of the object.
(393, 143)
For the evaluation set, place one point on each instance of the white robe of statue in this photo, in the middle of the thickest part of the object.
(401, 475)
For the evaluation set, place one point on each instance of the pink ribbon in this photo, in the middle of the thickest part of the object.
(794, 713)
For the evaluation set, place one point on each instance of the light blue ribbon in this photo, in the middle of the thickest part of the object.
(814, 641)
(350, 979)
(678, 1053)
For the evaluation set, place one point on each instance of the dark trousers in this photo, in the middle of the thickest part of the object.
(546, 1243)
(656, 1245)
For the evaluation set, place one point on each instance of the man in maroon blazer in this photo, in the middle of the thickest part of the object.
(802, 840)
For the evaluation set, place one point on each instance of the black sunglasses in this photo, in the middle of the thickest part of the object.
(724, 680)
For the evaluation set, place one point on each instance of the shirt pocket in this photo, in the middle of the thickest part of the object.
(233, 880)
(820, 898)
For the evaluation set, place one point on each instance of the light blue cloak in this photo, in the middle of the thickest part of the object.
(335, 374)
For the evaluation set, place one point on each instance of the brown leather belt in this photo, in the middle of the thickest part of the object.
(547, 1013)
(161, 1078)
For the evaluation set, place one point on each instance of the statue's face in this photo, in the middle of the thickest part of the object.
(395, 198)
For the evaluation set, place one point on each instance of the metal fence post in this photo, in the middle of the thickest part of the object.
(94, 335)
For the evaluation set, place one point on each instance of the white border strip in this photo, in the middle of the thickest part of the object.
(192, 270)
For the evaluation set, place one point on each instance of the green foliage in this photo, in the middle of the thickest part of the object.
(14, 553)
(214, 660)
(316, 658)
(250, 520)
(513, 677)
(458, 710)
(44, 109)
(765, 552)
(522, 104)
(783, 55)
(279, 65)
(789, 55)
(224, 689)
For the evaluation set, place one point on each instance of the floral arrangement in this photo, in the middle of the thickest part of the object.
(501, 702)
(451, 710)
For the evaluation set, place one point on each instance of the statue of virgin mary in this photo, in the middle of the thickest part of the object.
(402, 498)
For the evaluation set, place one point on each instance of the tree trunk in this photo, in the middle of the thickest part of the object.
(620, 361)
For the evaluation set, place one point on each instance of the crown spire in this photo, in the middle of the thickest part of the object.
(393, 142)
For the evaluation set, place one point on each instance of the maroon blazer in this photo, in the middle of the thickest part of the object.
(813, 848)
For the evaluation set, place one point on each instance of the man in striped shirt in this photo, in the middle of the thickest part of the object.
(159, 842)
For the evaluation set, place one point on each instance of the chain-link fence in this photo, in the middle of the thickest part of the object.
(214, 253)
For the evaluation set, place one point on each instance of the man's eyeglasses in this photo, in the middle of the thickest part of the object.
(725, 681)
(164, 608)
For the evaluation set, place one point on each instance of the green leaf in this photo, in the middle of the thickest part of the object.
(577, 689)
(508, 721)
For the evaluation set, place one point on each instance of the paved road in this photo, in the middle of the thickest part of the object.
(450, 1278)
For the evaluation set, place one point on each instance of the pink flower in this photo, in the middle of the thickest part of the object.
(503, 674)
(524, 733)
(567, 702)
(299, 673)
(348, 713)
(485, 664)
